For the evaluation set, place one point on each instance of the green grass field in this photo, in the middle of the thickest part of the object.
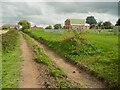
(0, 61)
(10, 59)
(98, 52)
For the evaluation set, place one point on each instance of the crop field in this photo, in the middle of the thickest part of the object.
(96, 51)
(10, 59)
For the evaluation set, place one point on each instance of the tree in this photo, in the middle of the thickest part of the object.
(57, 26)
(91, 20)
(25, 24)
(49, 27)
(93, 26)
(107, 25)
(118, 22)
(100, 24)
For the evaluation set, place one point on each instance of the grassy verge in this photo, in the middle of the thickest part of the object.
(10, 59)
(97, 52)
(56, 72)
(0, 61)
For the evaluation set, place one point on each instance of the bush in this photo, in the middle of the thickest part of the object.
(25, 24)
(80, 46)
(49, 27)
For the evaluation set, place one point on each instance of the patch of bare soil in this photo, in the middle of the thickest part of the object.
(73, 74)
(33, 75)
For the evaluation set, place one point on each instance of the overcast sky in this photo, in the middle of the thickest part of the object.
(49, 13)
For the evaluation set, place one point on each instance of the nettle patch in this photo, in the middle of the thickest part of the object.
(78, 45)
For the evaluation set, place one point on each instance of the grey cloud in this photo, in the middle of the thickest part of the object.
(15, 11)
(48, 13)
(9, 20)
(19, 9)
(85, 7)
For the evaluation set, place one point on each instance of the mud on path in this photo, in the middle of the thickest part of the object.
(73, 74)
(33, 75)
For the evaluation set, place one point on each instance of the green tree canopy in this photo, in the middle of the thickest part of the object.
(49, 27)
(118, 22)
(57, 26)
(107, 25)
(100, 24)
(91, 20)
(25, 24)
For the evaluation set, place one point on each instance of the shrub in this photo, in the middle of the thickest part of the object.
(80, 46)
(25, 24)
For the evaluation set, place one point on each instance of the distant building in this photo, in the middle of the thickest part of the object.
(36, 27)
(19, 27)
(12, 25)
(8, 26)
(76, 24)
